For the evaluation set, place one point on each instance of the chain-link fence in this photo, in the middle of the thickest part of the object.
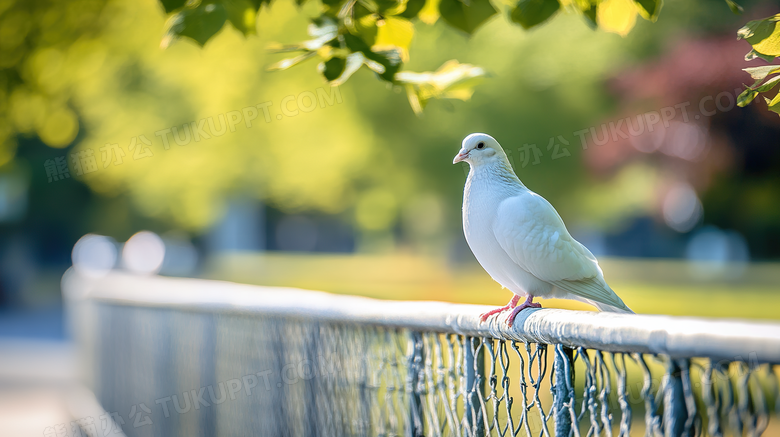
(186, 357)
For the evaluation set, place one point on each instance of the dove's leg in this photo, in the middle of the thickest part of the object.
(529, 303)
(512, 303)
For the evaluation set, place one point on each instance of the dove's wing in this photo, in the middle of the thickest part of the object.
(534, 236)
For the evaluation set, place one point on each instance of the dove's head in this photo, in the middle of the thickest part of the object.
(478, 149)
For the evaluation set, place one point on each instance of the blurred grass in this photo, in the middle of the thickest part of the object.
(647, 286)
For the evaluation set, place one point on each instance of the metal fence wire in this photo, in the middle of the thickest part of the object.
(210, 369)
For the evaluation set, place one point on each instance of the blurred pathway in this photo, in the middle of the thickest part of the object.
(36, 373)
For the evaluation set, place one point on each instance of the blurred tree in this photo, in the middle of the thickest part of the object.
(728, 156)
(350, 34)
(173, 136)
(34, 95)
(178, 132)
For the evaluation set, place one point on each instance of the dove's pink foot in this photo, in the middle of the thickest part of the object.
(512, 303)
(529, 303)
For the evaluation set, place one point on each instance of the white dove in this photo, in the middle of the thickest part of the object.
(519, 238)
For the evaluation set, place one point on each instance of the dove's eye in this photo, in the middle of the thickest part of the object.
(481, 145)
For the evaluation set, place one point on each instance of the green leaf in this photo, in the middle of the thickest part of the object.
(332, 68)
(746, 97)
(172, 5)
(755, 55)
(451, 81)
(347, 11)
(589, 12)
(763, 35)
(284, 48)
(390, 60)
(363, 23)
(384, 63)
(242, 15)
(430, 12)
(774, 104)
(324, 31)
(760, 73)
(735, 8)
(354, 62)
(322, 26)
(530, 13)
(394, 32)
(284, 64)
(258, 3)
(749, 94)
(390, 7)
(413, 7)
(331, 6)
(748, 29)
(466, 15)
(768, 85)
(199, 23)
(649, 9)
(617, 16)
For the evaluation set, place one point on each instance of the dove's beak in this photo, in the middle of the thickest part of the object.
(461, 156)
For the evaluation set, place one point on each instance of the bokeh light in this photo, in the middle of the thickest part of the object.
(143, 253)
(682, 208)
(686, 141)
(94, 255)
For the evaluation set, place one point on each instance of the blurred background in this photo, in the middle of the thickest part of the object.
(357, 194)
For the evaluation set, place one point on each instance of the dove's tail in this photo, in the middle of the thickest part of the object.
(596, 292)
(612, 309)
